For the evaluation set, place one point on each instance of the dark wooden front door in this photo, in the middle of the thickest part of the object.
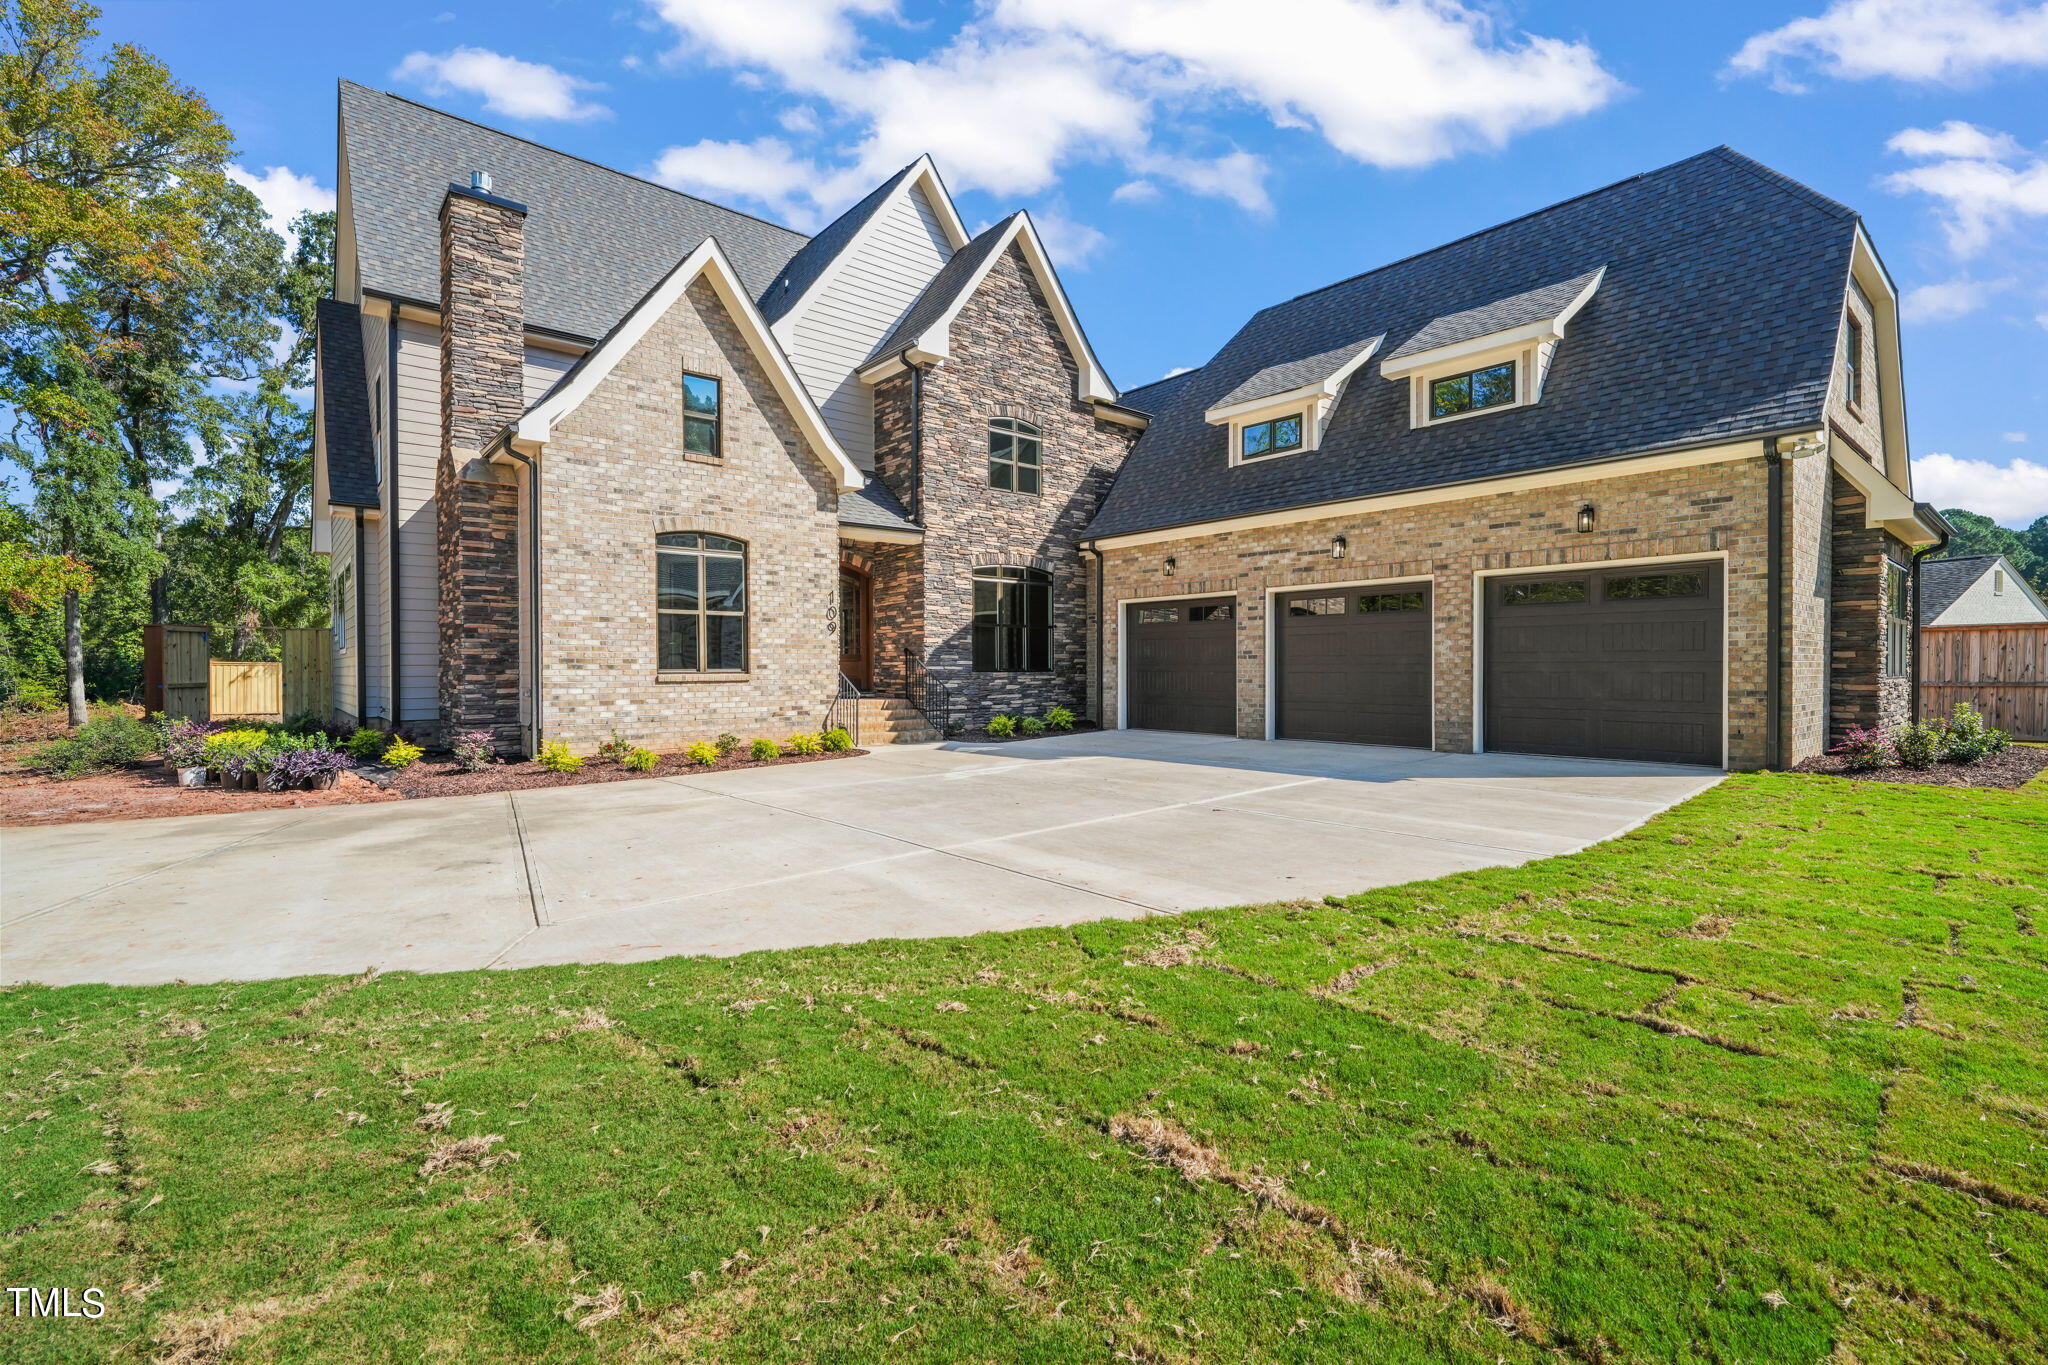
(1180, 666)
(1354, 665)
(1607, 663)
(856, 629)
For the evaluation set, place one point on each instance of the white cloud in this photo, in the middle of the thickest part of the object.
(1135, 192)
(2014, 494)
(1935, 42)
(1981, 194)
(284, 195)
(764, 170)
(1178, 369)
(798, 118)
(1071, 244)
(1948, 300)
(2013, 437)
(1026, 87)
(508, 86)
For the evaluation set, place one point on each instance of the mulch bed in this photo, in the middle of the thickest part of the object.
(142, 791)
(439, 776)
(2015, 767)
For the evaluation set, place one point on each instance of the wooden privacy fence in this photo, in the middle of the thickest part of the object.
(180, 680)
(2000, 670)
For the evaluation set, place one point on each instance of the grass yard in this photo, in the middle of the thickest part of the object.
(1766, 1080)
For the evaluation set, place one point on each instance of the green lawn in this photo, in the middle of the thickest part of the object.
(1766, 1080)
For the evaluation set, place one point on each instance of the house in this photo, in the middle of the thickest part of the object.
(1624, 478)
(1977, 590)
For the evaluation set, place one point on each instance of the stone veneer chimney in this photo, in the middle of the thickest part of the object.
(483, 344)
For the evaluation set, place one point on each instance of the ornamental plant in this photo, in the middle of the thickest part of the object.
(644, 760)
(401, 753)
(762, 750)
(614, 749)
(226, 752)
(1867, 747)
(557, 757)
(184, 743)
(805, 742)
(108, 740)
(702, 754)
(472, 750)
(836, 740)
(728, 744)
(1918, 745)
(1059, 718)
(1002, 727)
(1030, 725)
(307, 767)
(366, 745)
(1965, 737)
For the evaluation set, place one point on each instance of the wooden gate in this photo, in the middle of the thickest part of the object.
(253, 689)
(2000, 670)
(175, 677)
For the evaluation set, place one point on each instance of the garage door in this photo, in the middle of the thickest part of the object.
(1180, 666)
(1353, 665)
(1606, 663)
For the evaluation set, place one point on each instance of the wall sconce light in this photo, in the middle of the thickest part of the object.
(1339, 547)
(1169, 566)
(1588, 517)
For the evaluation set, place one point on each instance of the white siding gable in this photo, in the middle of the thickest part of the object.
(887, 267)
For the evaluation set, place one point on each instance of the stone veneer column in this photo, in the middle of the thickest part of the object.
(1859, 692)
(483, 343)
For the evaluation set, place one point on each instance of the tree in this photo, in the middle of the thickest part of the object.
(1980, 535)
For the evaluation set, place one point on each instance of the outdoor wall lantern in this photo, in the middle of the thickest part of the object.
(1339, 547)
(1588, 517)
(1169, 566)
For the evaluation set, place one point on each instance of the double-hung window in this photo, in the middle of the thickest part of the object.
(1015, 449)
(1898, 622)
(1012, 621)
(700, 603)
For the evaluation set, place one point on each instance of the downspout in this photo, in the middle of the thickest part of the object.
(533, 577)
(1925, 511)
(1774, 736)
(1101, 618)
(362, 622)
(392, 510)
(917, 444)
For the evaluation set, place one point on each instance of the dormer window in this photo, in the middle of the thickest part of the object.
(1280, 436)
(1491, 387)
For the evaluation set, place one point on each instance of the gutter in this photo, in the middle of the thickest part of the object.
(396, 515)
(917, 444)
(362, 622)
(1774, 631)
(1929, 517)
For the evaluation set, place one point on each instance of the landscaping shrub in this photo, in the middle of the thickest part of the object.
(557, 757)
(805, 742)
(366, 745)
(31, 695)
(644, 760)
(1867, 747)
(702, 754)
(309, 766)
(764, 749)
(836, 740)
(1918, 745)
(473, 750)
(1059, 718)
(1030, 725)
(401, 753)
(306, 723)
(1002, 726)
(106, 741)
(227, 753)
(1965, 737)
(614, 749)
(728, 744)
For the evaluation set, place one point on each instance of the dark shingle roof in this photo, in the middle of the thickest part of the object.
(939, 295)
(873, 505)
(1531, 305)
(345, 406)
(1288, 375)
(1150, 398)
(808, 264)
(1716, 320)
(596, 239)
(1942, 581)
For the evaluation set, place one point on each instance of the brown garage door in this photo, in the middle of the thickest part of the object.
(1606, 663)
(1180, 666)
(1353, 665)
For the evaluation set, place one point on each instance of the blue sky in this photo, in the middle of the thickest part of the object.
(1193, 160)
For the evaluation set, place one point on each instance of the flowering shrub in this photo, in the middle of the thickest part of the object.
(836, 740)
(1867, 747)
(614, 749)
(1918, 745)
(644, 760)
(473, 749)
(1059, 718)
(1002, 726)
(805, 742)
(557, 757)
(764, 749)
(401, 753)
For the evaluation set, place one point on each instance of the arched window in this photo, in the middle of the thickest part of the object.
(1012, 621)
(700, 603)
(1013, 451)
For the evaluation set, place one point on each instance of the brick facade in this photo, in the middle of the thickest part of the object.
(614, 476)
(1008, 359)
(483, 341)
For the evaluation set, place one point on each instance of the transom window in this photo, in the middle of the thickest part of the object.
(1209, 611)
(1014, 448)
(700, 603)
(1316, 606)
(1390, 601)
(1277, 437)
(1543, 594)
(1157, 616)
(1636, 586)
(1472, 391)
(1012, 621)
(703, 415)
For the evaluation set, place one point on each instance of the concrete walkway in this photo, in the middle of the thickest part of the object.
(922, 840)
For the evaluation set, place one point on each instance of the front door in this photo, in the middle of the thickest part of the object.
(856, 629)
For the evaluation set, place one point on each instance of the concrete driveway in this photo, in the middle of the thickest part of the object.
(922, 840)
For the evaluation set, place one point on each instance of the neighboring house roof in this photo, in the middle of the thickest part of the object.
(708, 262)
(1540, 304)
(949, 288)
(1944, 581)
(345, 406)
(1716, 320)
(596, 239)
(873, 505)
(1290, 376)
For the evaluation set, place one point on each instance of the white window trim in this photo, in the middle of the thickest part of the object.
(1529, 360)
(1311, 433)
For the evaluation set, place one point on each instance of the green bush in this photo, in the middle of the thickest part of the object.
(106, 741)
(1059, 718)
(1918, 745)
(557, 757)
(764, 749)
(401, 753)
(805, 742)
(1030, 725)
(836, 740)
(728, 744)
(1965, 737)
(305, 723)
(31, 695)
(702, 754)
(614, 749)
(1002, 726)
(643, 760)
(366, 745)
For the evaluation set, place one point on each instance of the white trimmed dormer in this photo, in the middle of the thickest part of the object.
(1489, 359)
(1284, 408)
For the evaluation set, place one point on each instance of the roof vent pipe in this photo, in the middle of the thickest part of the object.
(480, 181)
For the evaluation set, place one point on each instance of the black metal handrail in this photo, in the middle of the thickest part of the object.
(844, 713)
(932, 698)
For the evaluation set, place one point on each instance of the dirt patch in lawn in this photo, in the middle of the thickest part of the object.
(144, 790)
(2015, 767)
(439, 776)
